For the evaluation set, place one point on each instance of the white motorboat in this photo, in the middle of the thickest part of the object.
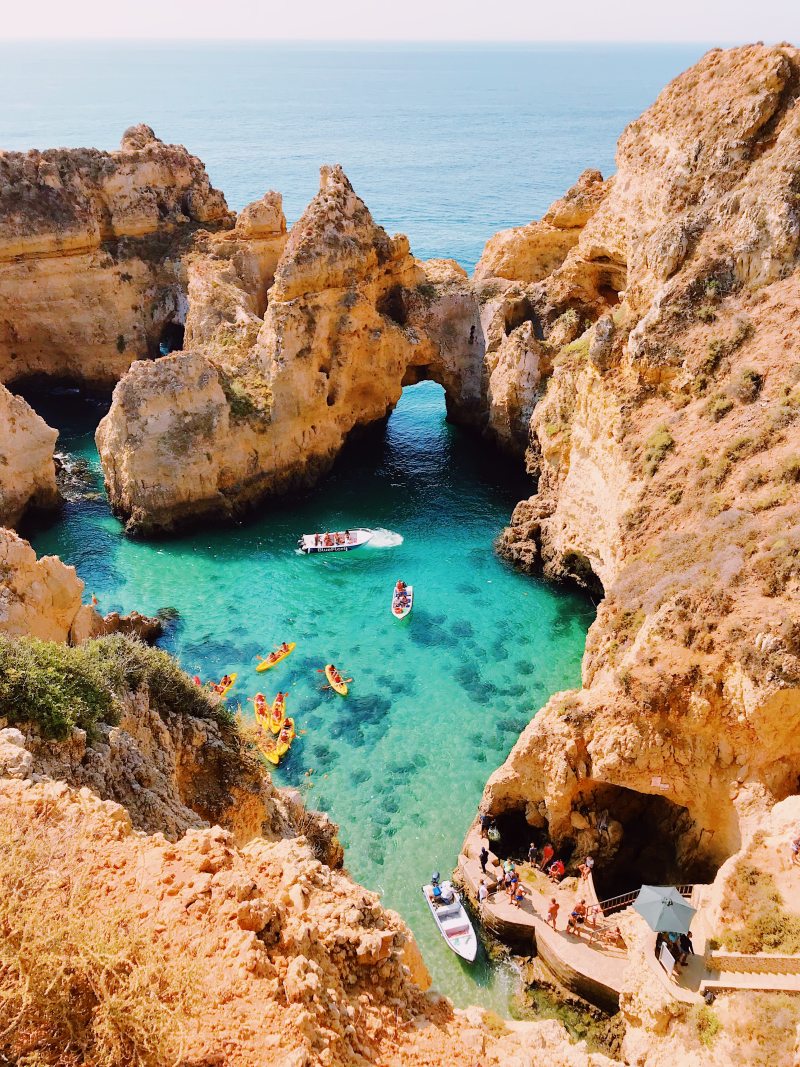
(341, 541)
(453, 922)
(402, 604)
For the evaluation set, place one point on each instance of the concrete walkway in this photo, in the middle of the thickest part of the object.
(591, 963)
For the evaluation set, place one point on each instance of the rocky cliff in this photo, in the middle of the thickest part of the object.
(665, 442)
(274, 382)
(27, 471)
(92, 249)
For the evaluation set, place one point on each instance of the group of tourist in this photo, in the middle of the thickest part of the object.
(679, 946)
(328, 540)
(543, 858)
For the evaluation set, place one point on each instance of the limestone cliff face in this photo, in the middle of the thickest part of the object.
(92, 248)
(27, 471)
(38, 597)
(664, 439)
(274, 382)
(287, 961)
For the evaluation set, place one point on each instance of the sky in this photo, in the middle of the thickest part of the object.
(716, 21)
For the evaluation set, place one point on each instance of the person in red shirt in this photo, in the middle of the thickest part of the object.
(556, 871)
(547, 854)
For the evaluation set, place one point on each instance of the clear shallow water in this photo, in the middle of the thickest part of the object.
(437, 700)
(445, 143)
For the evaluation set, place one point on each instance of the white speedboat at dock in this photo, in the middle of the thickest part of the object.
(341, 541)
(452, 919)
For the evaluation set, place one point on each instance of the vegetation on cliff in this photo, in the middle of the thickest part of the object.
(59, 687)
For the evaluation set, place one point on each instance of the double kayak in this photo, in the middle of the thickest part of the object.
(402, 601)
(275, 657)
(223, 690)
(339, 687)
(277, 713)
(262, 711)
(283, 743)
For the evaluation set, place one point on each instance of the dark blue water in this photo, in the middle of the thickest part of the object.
(445, 144)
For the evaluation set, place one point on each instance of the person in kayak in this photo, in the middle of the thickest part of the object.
(226, 680)
(335, 675)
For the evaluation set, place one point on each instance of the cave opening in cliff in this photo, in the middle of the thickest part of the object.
(519, 311)
(392, 305)
(171, 339)
(641, 839)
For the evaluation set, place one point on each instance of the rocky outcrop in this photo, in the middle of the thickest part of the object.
(27, 470)
(38, 597)
(275, 381)
(266, 956)
(44, 598)
(92, 250)
(664, 444)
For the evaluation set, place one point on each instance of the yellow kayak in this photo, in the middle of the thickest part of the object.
(339, 687)
(262, 711)
(278, 713)
(283, 743)
(223, 690)
(275, 657)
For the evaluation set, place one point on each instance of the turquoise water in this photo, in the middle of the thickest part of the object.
(437, 700)
(447, 144)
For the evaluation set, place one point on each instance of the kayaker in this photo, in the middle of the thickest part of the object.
(226, 680)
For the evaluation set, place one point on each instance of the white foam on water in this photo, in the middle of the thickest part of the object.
(384, 539)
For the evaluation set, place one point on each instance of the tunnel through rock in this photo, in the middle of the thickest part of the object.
(171, 339)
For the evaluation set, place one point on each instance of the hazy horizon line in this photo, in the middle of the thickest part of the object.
(384, 41)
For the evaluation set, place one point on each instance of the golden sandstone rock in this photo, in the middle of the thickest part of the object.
(637, 346)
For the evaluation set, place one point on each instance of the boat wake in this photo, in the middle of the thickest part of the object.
(384, 539)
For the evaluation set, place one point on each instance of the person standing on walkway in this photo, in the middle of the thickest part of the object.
(586, 868)
(547, 854)
(532, 853)
(483, 892)
(484, 857)
(552, 912)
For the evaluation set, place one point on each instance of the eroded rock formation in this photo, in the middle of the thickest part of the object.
(27, 471)
(274, 383)
(92, 248)
(665, 447)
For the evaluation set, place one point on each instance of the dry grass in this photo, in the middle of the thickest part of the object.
(767, 926)
(80, 981)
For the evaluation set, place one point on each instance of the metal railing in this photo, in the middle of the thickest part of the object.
(624, 900)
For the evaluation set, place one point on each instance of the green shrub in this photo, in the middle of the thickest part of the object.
(59, 687)
(767, 926)
(748, 385)
(708, 1024)
(719, 406)
(706, 313)
(790, 471)
(658, 445)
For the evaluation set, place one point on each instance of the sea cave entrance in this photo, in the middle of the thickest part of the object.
(171, 339)
(641, 838)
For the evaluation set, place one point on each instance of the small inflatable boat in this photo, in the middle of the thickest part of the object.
(343, 541)
(452, 920)
(402, 601)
